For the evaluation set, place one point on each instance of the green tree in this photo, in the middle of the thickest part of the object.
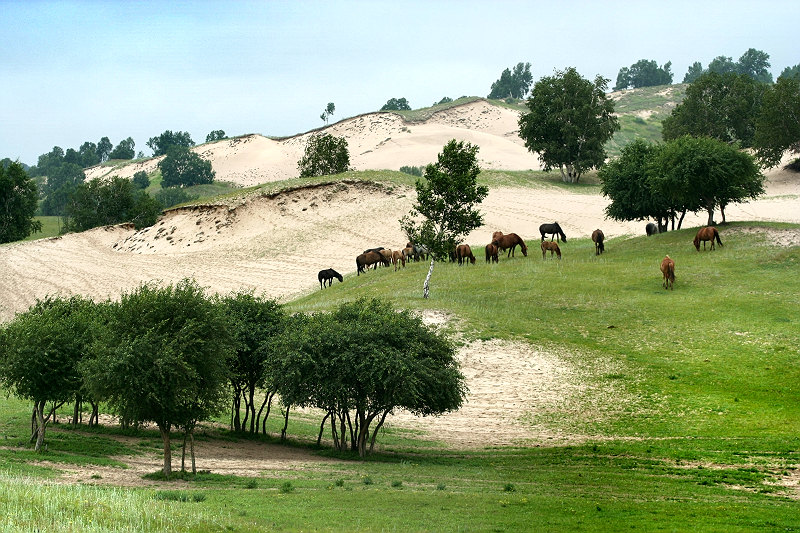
(145, 210)
(722, 65)
(163, 359)
(790, 72)
(694, 72)
(364, 360)
(568, 123)
(124, 150)
(447, 197)
(61, 182)
(644, 73)
(325, 154)
(755, 63)
(101, 203)
(183, 168)
(19, 199)
(216, 135)
(778, 122)
(140, 180)
(88, 154)
(103, 149)
(327, 112)
(396, 104)
(48, 163)
(512, 84)
(174, 196)
(444, 100)
(160, 145)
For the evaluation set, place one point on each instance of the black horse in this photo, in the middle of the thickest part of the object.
(327, 276)
(552, 229)
(651, 229)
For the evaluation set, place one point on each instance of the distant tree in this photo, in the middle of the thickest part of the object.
(61, 181)
(327, 112)
(694, 72)
(414, 171)
(513, 84)
(722, 65)
(447, 197)
(325, 154)
(644, 73)
(100, 203)
(396, 104)
(145, 210)
(183, 168)
(19, 199)
(444, 100)
(216, 135)
(124, 150)
(778, 122)
(755, 63)
(88, 154)
(141, 180)
(790, 72)
(174, 196)
(160, 145)
(48, 163)
(103, 149)
(568, 123)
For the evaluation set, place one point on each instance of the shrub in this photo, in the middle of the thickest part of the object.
(414, 171)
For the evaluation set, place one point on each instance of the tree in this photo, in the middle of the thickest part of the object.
(364, 360)
(141, 180)
(722, 65)
(444, 100)
(644, 73)
(216, 135)
(755, 63)
(61, 181)
(327, 112)
(163, 359)
(124, 150)
(160, 145)
(396, 104)
(325, 154)
(103, 149)
(447, 197)
(513, 84)
(778, 122)
(183, 168)
(790, 72)
(174, 196)
(569, 122)
(88, 154)
(694, 72)
(19, 199)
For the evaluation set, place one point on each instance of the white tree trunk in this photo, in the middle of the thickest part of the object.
(426, 285)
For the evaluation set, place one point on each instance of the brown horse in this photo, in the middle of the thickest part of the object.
(598, 238)
(708, 233)
(491, 253)
(464, 252)
(552, 247)
(668, 270)
(398, 258)
(509, 241)
(368, 259)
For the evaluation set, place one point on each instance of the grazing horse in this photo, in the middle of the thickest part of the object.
(552, 247)
(417, 251)
(598, 238)
(708, 233)
(553, 229)
(368, 259)
(668, 270)
(464, 252)
(398, 258)
(491, 253)
(327, 276)
(509, 241)
(651, 229)
(387, 254)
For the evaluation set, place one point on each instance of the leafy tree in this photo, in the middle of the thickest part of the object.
(160, 145)
(61, 181)
(694, 72)
(145, 210)
(99, 203)
(513, 84)
(174, 196)
(103, 149)
(19, 199)
(447, 197)
(163, 359)
(755, 63)
(569, 122)
(325, 154)
(327, 112)
(216, 135)
(644, 73)
(790, 72)
(778, 123)
(88, 154)
(48, 163)
(396, 104)
(183, 168)
(444, 100)
(141, 180)
(124, 150)
(364, 360)
(722, 65)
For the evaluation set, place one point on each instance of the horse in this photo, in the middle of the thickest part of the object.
(668, 270)
(552, 247)
(553, 229)
(398, 257)
(367, 260)
(491, 253)
(417, 251)
(598, 238)
(651, 229)
(464, 252)
(708, 233)
(327, 276)
(387, 254)
(509, 241)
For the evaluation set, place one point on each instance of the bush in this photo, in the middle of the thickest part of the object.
(183, 168)
(173, 196)
(325, 154)
(140, 180)
(414, 171)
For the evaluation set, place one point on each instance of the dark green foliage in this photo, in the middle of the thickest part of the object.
(105, 202)
(19, 198)
(103, 149)
(644, 73)
(145, 210)
(778, 122)
(124, 150)
(414, 171)
(568, 123)
(444, 100)
(88, 154)
(694, 72)
(722, 65)
(327, 112)
(174, 196)
(753, 64)
(182, 167)
(513, 84)
(325, 154)
(216, 135)
(141, 180)
(160, 145)
(790, 72)
(61, 182)
(396, 104)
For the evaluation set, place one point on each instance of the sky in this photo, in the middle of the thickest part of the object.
(77, 71)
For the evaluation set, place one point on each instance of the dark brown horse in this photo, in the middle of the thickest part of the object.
(668, 270)
(327, 276)
(552, 229)
(552, 247)
(491, 253)
(598, 238)
(368, 259)
(464, 252)
(708, 233)
(509, 241)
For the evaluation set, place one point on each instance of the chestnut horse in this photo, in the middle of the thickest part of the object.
(398, 258)
(464, 252)
(553, 247)
(509, 241)
(668, 270)
(491, 253)
(709, 233)
(368, 259)
(598, 238)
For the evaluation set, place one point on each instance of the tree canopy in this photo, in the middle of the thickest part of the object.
(396, 104)
(160, 145)
(753, 63)
(325, 154)
(644, 73)
(124, 150)
(513, 84)
(568, 123)
(216, 135)
(327, 112)
(790, 72)
(104, 202)
(19, 199)
(778, 122)
(183, 168)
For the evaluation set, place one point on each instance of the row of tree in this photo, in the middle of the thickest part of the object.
(149, 358)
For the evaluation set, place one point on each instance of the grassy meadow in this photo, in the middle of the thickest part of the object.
(703, 435)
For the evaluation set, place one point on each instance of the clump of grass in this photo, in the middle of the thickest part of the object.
(339, 483)
(366, 480)
(509, 487)
(440, 486)
(286, 487)
(179, 496)
(397, 483)
(251, 484)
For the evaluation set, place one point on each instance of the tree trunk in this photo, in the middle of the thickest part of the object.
(375, 431)
(237, 404)
(285, 424)
(164, 430)
(183, 451)
(710, 217)
(77, 415)
(722, 210)
(191, 447)
(266, 416)
(39, 426)
(261, 410)
(252, 408)
(427, 284)
(680, 221)
(321, 428)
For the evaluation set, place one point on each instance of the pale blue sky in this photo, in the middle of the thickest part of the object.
(77, 71)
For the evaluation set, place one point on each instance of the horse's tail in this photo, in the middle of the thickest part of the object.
(716, 236)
